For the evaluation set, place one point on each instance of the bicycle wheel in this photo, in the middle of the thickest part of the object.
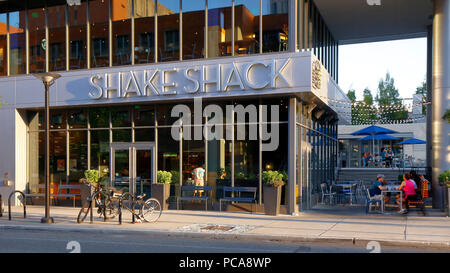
(150, 210)
(84, 211)
(106, 207)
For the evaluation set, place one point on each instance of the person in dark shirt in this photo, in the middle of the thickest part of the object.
(377, 187)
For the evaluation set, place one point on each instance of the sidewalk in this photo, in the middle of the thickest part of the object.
(316, 225)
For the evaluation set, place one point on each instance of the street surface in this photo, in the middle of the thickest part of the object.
(32, 241)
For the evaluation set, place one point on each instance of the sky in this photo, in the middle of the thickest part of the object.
(363, 65)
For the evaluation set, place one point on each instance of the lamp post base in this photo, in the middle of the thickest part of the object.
(48, 220)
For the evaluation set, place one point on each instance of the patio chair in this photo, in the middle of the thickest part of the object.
(326, 193)
(369, 202)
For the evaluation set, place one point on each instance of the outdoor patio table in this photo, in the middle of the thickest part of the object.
(391, 188)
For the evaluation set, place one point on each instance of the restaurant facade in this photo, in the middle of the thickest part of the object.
(131, 69)
(253, 81)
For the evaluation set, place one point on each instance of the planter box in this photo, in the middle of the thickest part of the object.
(162, 193)
(448, 201)
(86, 190)
(272, 199)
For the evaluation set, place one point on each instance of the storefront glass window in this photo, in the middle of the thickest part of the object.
(275, 25)
(99, 29)
(100, 151)
(144, 115)
(193, 157)
(147, 134)
(219, 28)
(57, 38)
(168, 153)
(99, 117)
(77, 36)
(121, 28)
(36, 28)
(3, 46)
(168, 30)
(17, 42)
(144, 27)
(121, 135)
(58, 157)
(246, 32)
(193, 29)
(77, 119)
(78, 150)
(58, 119)
(121, 117)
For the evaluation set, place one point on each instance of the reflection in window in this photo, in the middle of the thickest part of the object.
(57, 38)
(193, 29)
(168, 30)
(121, 28)
(17, 43)
(219, 28)
(100, 151)
(168, 152)
(77, 36)
(275, 25)
(144, 27)
(98, 18)
(193, 157)
(36, 28)
(99, 117)
(78, 155)
(246, 32)
(3, 47)
(58, 152)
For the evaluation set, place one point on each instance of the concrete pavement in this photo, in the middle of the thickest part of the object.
(335, 225)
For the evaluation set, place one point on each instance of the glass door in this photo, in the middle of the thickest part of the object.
(133, 167)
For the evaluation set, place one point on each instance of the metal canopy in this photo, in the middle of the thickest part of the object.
(355, 21)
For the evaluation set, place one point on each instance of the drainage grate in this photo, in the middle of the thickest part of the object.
(219, 228)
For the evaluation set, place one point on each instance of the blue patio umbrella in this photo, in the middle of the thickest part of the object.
(372, 131)
(412, 141)
(379, 137)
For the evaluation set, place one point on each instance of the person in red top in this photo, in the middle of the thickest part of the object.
(409, 193)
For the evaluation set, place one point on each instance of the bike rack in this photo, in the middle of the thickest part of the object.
(24, 204)
(133, 204)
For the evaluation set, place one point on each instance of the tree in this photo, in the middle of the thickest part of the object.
(362, 110)
(422, 89)
(391, 106)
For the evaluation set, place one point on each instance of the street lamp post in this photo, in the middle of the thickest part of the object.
(47, 79)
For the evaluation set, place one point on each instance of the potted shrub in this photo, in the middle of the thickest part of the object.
(161, 189)
(88, 185)
(444, 180)
(272, 181)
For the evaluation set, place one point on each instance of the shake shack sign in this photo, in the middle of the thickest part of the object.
(193, 79)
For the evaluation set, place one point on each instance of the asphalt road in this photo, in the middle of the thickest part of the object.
(30, 241)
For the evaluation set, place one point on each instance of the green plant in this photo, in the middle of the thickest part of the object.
(91, 177)
(164, 177)
(175, 177)
(285, 176)
(447, 116)
(400, 177)
(444, 178)
(272, 178)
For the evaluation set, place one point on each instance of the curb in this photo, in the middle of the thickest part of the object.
(229, 236)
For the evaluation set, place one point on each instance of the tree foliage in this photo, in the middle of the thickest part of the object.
(388, 96)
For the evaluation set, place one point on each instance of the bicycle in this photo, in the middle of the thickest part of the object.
(110, 205)
(148, 210)
(104, 203)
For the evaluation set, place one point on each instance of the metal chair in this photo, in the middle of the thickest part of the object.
(370, 202)
(326, 193)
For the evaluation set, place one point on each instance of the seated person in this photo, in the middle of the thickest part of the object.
(409, 193)
(377, 187)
